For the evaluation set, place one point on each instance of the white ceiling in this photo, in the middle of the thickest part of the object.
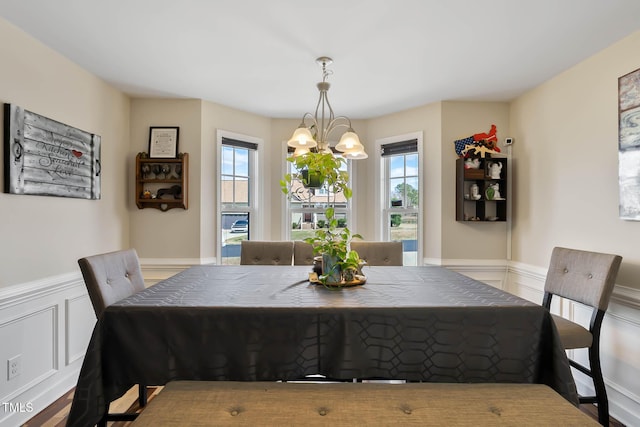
(259, 55)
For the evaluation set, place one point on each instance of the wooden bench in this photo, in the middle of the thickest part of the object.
(206, 403)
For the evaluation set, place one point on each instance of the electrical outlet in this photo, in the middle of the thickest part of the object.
(14, 367)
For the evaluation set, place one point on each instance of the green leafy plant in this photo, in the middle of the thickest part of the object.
(322, 164)
(331, 238)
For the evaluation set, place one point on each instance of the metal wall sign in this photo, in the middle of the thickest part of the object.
(48, 158)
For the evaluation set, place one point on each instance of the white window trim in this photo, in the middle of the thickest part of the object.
(381, 196)
(255, 202)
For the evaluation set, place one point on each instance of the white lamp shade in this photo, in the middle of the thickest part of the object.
(301, 151)
(302, 138)
(355, 155)
(349, 142)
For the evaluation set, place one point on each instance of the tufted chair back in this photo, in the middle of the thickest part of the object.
(379, 253)
(588, 278)
(302, 253)
(255, 252)
(585, 277)
(111, 277)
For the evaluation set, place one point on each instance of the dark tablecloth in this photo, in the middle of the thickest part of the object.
(265, 323)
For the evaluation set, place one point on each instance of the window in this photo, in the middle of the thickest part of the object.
(306, 206)
(401, 196)
(237, 194)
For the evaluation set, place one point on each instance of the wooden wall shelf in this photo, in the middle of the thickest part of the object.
(162, 183)
(490, 203)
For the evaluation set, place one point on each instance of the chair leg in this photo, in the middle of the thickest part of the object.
(598, 384)
(142, 395)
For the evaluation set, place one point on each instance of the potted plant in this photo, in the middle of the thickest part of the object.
(331, 241)
(333, 244)
(322, 165)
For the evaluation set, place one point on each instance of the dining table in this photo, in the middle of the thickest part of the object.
(269, 323)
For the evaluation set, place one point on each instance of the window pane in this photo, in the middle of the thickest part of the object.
(396, 191)
(412, 164)
(302, 225)
(411, 192)
(396, 166)
(235, 228)
(241, 191)
(404, 228)
(242, 162)
(226, 190)
(227, 160)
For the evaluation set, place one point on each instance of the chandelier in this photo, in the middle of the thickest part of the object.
(312, 135)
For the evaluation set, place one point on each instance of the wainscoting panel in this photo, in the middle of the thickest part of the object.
(37, 357)
(77, 329)
(46, 324)
(491, 272)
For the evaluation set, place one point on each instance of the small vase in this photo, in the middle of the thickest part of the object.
(349, 274)
(331, 269)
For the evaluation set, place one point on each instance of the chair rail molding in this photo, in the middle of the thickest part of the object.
(490, 271)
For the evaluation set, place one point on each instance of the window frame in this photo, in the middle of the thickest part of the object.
(382, 200)
(255, 188)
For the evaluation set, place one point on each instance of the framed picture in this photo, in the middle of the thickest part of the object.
(163, 142)
(629, 145)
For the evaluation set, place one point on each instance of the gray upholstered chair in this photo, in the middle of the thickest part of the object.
(111, 277)
(587, 278)
(379, 253)
(255, 252)
(302, 253)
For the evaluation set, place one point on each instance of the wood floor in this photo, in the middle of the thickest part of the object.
(56, 414)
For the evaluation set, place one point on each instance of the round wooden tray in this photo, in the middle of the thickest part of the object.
(360, 280)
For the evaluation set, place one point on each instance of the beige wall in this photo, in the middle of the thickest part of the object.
(427, 120)
(44, 236)
(441, 124)
(469, 240)
(174, 233)
(566, 175)
(281, 130)
(190, 234)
